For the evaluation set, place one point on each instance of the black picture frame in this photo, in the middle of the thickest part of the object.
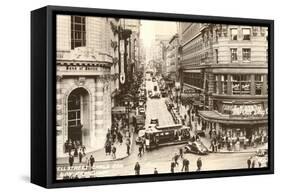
(43, 95)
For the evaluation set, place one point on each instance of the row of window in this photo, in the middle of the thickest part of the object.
(246, 34)
(239, 84)
(246, 55)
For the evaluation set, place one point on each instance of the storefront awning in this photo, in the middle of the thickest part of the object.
(213, 116)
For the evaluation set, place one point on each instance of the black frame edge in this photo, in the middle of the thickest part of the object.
(38, 97)
(49, 85)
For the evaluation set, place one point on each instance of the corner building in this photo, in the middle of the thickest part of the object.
(226, 66)
(87, 80)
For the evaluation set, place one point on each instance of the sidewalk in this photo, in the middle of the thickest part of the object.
(100, 156)
(207, 141)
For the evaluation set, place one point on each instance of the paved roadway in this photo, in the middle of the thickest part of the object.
(156, 108)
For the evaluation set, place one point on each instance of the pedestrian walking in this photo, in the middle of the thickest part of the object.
(185, 165)
(155, 171)
(181, 152)
(71, 160)
(137, 169)
(83, 150)
(80, 156)
(75, 152)
(128, 148)
(249, 162)
(253, 163)
(113, 152)
(140, 151)
(176, 157)
(173, 165)
(199, 164)
(92, 161)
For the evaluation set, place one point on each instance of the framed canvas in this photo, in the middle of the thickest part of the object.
(128, 96)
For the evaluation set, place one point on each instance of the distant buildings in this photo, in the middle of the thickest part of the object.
(172, 57)
(224, 68)
(156, 52)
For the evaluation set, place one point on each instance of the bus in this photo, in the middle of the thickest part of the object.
(166, 135)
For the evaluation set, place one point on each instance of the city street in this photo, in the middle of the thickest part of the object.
(156, 108)
(122, 81)
(162, 157)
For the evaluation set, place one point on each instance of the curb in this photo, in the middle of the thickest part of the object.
(234, 152)
(109, 160)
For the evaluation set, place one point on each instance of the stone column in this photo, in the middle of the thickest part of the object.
(219, 85)
(59, 118)
(229, 85)
(100, 131)
(253, 87)
(264, 85)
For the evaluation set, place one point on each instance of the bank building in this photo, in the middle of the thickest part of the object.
(87, 80)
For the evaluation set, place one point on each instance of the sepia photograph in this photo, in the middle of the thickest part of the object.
(145, 97)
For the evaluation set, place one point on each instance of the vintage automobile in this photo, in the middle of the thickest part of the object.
(155, 95)
(140, 122)
(141, 111)
(154, 121)
(169, 104)
(149, 93)
(164, 93)
(261, 157)
(195, 147)
(262, 152)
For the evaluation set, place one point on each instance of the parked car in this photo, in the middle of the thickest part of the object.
(154, 121)
(155, 95)
(195, 147)
(141, 111)
(149, 93)
(164, 93)
(262, 152)
(200, 132)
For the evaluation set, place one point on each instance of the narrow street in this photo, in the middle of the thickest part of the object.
(156, 108)
(162, 157)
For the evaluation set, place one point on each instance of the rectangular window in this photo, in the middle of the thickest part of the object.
(233, 53)
(246, 54)
(246, 34)
(224, 84)
(258, 84)
(216, 85)
(233, 33)
(216, 56)
(78, 31)
(241, 84)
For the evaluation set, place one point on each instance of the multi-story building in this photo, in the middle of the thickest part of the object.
(225, 68)
(171, 64)
(134, 44)
(87, 80)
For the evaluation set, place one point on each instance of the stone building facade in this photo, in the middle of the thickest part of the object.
(172, 58)
(87, 80)
(226, 68)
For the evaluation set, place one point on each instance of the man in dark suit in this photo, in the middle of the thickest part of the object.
(249, 162)
(199, 164)
(71, 160)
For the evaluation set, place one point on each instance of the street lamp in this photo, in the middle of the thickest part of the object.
(178, 86)
(127, 105)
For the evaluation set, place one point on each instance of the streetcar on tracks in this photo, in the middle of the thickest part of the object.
(166, 136)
